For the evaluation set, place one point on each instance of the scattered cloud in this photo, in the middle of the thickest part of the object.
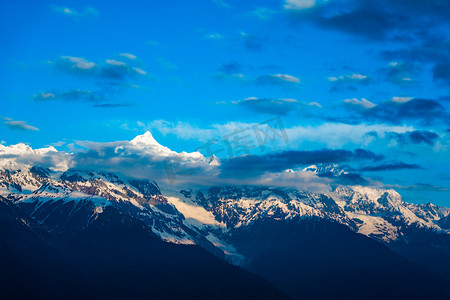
(214, 36)
(424, 111)
(401, 99)
(71, 95)
(254, 43)
(18, 125)
(128, 55)
(277, 79)
(263, 13)
(363, 103)
(415, 137)
(400, 73)
(221, 3)
(115, 62)
(355, 77)
(299, 4)
(378, 20)
(232, 68)
(269, 106)
(87, 11)
(111, 68)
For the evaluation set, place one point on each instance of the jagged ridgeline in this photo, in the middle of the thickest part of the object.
(84, 233)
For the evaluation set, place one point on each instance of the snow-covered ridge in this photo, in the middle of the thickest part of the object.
(152, 159)
(43, 181)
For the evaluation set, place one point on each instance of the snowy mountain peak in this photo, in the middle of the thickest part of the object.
(148, 143)
(214, 161)
(145, 139)
(325, 168)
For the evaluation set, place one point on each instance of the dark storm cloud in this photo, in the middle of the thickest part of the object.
(441, 72)
(71, 95)
(111, 105)
(101, 98)
(367, 21)
(415, 137)
(254, 43)
(269, 106)
(252, 165)
(231, 68)
(434, 51)
(403, 20)
(390, 167)
(400, 73)
(424, 111)
(345, 178)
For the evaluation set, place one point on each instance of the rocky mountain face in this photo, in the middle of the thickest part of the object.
(295, 239)
(114, 256)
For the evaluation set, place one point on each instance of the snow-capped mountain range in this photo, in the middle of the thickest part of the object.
(207, 216)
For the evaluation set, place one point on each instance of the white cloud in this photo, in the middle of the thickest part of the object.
(401, 99)
(14, 157)
(351, 77)
(287, 77)
(364, 103)
(140, 71)
(21, 125)
(315, 104)
(18, 125)
(222, 3)
(214, 36)
(128, 55)
(88, 10)
(115, 62)
(79, 62)
(332, 135)
(291, 100)
(263, 13)
(45, 95)
(299, 4)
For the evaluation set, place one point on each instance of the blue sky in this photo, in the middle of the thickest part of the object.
(340, 74)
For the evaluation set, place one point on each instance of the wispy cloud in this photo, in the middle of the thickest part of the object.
(363, 103)
(110, 68)
(222, 3)
(401, 99)
(128, 55)
(355, 77)
(71, 95)
(299, 4)
(269, 106)
(263, 13)
(277, 79)
(87, 11)
(214, 36)
(18, 125)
